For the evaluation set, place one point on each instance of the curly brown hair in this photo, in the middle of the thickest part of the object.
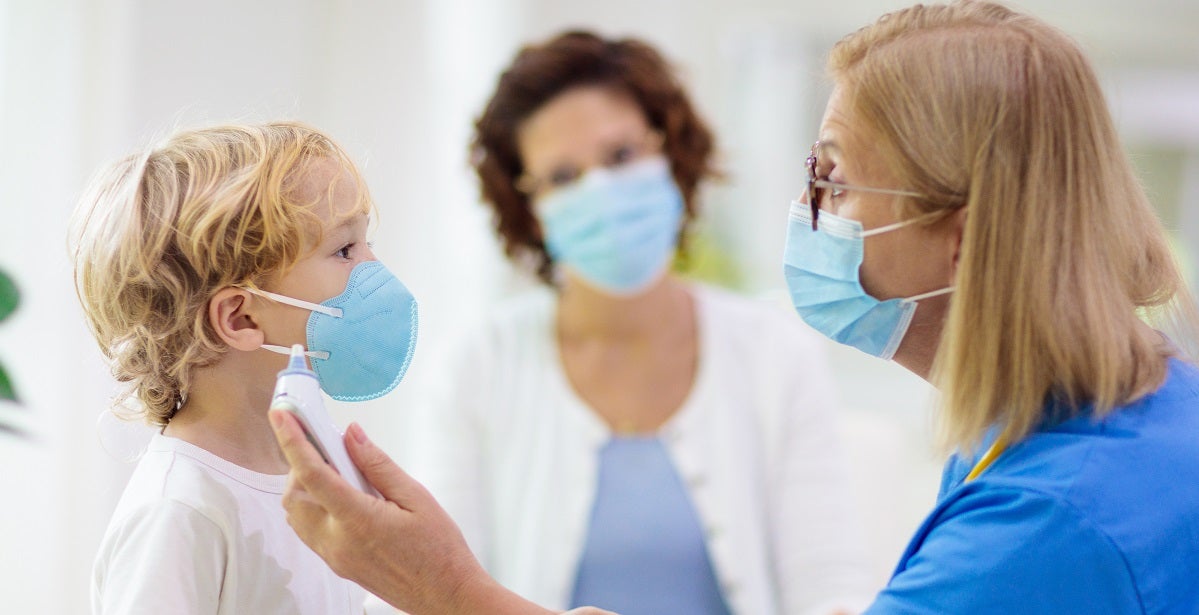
(543, 71)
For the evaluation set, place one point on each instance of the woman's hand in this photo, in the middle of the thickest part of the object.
(403, 548)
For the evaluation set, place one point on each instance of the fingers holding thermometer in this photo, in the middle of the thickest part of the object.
(401, 546)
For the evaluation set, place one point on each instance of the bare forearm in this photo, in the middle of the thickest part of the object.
(486, 597)
(494, 599)
(474, 594)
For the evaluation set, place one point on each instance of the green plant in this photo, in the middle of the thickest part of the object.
(9, 298)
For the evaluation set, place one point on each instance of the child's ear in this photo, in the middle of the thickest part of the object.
(230, 315)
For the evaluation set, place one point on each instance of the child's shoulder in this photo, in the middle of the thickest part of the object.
(178, 482)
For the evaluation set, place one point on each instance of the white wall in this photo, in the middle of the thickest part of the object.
(49, 480)
(398, 82)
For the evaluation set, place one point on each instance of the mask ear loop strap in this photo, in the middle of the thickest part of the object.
(933, 293)
(316, 354)
(315, 307)
(890, 227)
(902, 223)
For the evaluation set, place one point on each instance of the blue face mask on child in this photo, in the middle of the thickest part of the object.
(618, 228)
(821, 268)
(362, 340)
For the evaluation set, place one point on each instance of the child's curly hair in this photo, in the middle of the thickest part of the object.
(159, 232)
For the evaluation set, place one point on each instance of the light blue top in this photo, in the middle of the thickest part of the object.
(1084, 516)
(645, 551)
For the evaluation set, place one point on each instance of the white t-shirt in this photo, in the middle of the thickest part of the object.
(194, 533)
(511, 451)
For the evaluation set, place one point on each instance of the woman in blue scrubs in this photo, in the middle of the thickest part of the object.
(971, 215)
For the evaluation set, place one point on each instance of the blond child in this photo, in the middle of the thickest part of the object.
(192, 258)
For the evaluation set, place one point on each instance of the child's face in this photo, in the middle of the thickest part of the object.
(325, 269)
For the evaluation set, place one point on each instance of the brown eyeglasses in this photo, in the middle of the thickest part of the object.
(816, 186)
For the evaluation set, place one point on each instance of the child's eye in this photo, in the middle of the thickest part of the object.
(345, 250)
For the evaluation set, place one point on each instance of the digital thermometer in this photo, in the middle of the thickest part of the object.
(298, 392)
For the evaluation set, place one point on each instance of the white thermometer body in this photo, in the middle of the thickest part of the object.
(298, 392)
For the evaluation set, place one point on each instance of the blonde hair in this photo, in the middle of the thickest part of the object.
(159, 232)
(976, 106)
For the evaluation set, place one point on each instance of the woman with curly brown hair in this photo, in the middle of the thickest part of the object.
(623, 437)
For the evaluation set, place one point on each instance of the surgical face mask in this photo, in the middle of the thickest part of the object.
(618, 228)
(822, 271)
(362, 340)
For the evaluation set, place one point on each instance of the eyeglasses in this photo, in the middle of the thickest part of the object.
(816, 187)
(622, 153)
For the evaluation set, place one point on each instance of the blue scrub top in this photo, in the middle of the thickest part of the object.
(1083, 516)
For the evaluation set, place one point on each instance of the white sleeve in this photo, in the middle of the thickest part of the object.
(163, 558)
(448, 442)
(820, 556)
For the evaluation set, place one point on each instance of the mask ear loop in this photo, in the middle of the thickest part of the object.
(307, 305)
(931, 293)
(906, 321)
(315, 354)
(902, 223)
(314, 307)
(890, 227)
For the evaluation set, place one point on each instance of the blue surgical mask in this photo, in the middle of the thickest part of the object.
(822, 271)
(362, 340)
(617, 228)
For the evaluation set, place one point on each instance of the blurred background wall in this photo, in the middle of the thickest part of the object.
(398, 83)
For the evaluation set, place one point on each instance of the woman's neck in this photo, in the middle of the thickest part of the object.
(586, 312)
(918, 350)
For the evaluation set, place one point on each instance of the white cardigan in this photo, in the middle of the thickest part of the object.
(511, 451)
